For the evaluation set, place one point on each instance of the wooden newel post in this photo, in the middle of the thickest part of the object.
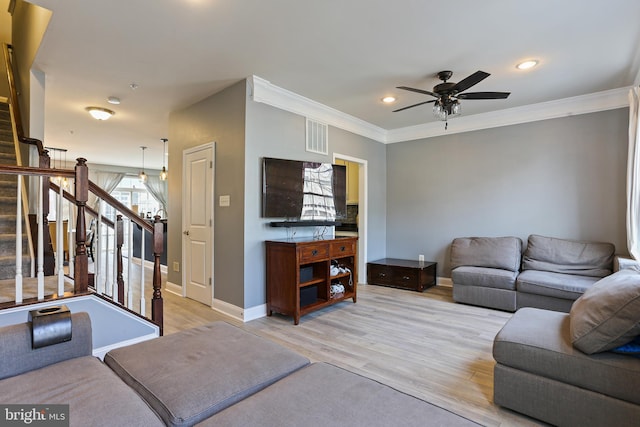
(81, 266)
(156, 302)
(119, 243)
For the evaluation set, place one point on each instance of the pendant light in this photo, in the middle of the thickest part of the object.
(143, 176)
(163, 174)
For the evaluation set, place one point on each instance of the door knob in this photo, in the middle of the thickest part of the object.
(186, 233)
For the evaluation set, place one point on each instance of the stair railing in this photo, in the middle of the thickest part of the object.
(110, 281)
(80, 261)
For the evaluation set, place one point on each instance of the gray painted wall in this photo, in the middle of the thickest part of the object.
(219, 118)
(272, 132)
(562, 177)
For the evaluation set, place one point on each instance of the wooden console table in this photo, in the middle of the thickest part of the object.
(402, 273)
(299, 274)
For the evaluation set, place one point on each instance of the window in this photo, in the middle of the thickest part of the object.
(134, 195)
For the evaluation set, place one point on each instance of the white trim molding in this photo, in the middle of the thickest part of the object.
(583, 104)
(270, 94)
(238, 313)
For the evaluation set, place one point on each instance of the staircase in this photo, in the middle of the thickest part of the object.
(8, 200)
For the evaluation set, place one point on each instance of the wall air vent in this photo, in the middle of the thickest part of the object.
(317, 137)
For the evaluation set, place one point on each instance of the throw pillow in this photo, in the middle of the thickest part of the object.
(632, 348)
(607, 315)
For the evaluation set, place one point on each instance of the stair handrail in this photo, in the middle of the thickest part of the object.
(68, 196)
(13, 100)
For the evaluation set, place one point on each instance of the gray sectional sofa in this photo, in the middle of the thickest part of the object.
(551, 273)
(562, 369)
(216, 375)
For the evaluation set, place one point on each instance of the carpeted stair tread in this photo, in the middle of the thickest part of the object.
(8, 200)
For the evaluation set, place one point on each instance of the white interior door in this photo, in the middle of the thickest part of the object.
(197, 219)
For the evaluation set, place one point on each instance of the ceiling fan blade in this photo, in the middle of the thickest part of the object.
(483, 95)
(412, 89)
(472, 80)
(414, 105)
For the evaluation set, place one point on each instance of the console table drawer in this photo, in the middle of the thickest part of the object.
(340, 249)
(312, 253)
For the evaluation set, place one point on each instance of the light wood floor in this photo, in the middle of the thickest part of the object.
(423, 344)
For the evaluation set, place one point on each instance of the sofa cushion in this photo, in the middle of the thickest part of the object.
(491, 252)
(539, 342)
(189, 376)
(18, 357)
(608, 314)
(325, 395)
(568, 256)
(557, 285)
(484, 277)
(95, 395)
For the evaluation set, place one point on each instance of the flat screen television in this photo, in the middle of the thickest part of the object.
(303, 191)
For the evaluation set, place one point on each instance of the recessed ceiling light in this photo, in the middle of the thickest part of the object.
(99, 113)
(113, 100)
(389, 99)
(525, 65)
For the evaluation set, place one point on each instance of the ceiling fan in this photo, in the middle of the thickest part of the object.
(448, 94)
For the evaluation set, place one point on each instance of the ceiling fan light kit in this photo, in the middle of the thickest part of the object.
(448, 94)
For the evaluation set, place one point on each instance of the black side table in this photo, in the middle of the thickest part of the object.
(402, 273)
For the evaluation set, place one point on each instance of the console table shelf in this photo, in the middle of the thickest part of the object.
(299, 274)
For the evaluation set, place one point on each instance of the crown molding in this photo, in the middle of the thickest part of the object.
(268, 93)
(583, 104)
(265, 92)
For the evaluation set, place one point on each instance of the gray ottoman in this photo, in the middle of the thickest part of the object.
(325, 395)
(191, 375)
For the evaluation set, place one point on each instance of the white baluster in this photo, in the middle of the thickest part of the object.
(60, 242)
(114, 266)
(71, 241)
(129, 255)
(40, 219)
(19, 243)
(97, 265)
(143, 300)
(108, 281)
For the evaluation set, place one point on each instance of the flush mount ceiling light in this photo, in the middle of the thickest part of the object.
(99, 113)
(113, 100)
(389, 99)
(525, 65)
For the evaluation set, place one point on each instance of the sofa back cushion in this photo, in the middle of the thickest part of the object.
(491, 252)
(607, 315)
(18, 357)
(568, 256)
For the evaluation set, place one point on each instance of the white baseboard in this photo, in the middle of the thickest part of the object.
(228, 309)
(173, 288)
(255, 312)
(149, 264)
(238, 313)
(445, 281)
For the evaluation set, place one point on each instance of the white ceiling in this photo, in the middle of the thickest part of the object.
(346, 54)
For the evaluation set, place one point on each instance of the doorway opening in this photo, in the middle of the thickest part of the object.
(357, 207)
